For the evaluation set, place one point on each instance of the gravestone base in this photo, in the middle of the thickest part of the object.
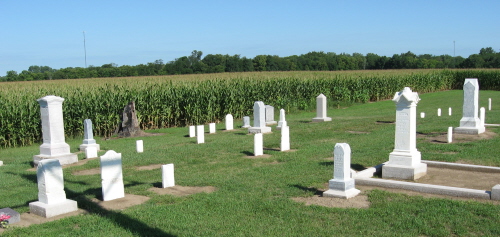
(391, 171)
(84, 146)
(14, 215)
(65, 159)
(255, 130)
(495, 192)
(246, 126)
(271, 122)
(467, 130)
(325, 119)
(341, 189)
(51, 210)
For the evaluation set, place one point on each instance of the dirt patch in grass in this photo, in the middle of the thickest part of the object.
(360, 201)
(460, 178)
(87, 172)
(181, 191)
(437, 137)
(149, 167)
(121, 203)
(258, 157)
(28, 219)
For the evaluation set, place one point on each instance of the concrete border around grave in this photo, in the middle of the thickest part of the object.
(364, 177)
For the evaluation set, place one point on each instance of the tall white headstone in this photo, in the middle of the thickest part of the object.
(342, 185)
(470, 123)
(258, 144)
(54, 144)
(321, 109)
(139, 146)
(405, 160)
(285, 137)
(211, 127)
(282, 119)
(192, 131)
(270, 115)
(229, 122)
(51, 196)
(259, 119)
(112, 176)
(200, 134)
(167, 172)
(246, 122)
(88, 136)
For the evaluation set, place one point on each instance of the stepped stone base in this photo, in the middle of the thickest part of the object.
(467, 130)
(404, 172)
(51, 210)
(65, 159)
(325, 119)
(259, 130)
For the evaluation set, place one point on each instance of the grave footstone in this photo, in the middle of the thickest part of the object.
(470, 123)
(482, 116)
(200, 134)
(54, 145)
(489, 103)
(405, 160)
(495, 192)
(88, 136)
(139, 146)
(259, 119)
(282, 119)
(14, 215)
(51, 196)
(112, 176)
(192, 131)
(321, 109)
(342, 185)
(439, 112)
(449, 111)
(1, 163)
(285, 137)
(270, 115)
(450, 135)
(229, 122)
(422, 115)
(90, 152)
(167, 175)
(246, 122)
(211, 127)
(258, 147)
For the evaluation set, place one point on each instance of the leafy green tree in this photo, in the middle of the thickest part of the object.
(259, 62)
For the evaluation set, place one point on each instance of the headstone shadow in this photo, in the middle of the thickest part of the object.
(308, 189)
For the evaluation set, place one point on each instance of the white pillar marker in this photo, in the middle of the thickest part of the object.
(449, 111)
(439, 112)
(139, 146)
(285, 137)
(470, 122)
(489, 103)
(258, 144)
(342, 185)
(168, 179)
(450, 134)
(482, 115)
(422, 115)
(90, 152)
(192, 131)
(321, 109)
(229, 122)
(200, 134)
(211, 127)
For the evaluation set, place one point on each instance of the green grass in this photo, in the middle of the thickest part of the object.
(253, 195)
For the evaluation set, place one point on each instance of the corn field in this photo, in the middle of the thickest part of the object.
(170, 101)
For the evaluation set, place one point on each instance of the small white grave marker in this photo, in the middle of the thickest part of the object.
(270, 115)
(229, 122)
(246, 122)
(112, 176)
(439, 112)
(449, 111)
(200, 134)
(192, 131)
(489, 103)
(285, 137)
(422, 115)
(342, 185)
(211, 127)
(450, 134)
(90, 152)
(482, 115)
(167, 172)
(258, 147)
(139, 146)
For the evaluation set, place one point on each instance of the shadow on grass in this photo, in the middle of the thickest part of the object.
(305, 121)
(241, 133)
(315, 191)
(135, 226)
(247, 153)
(382, 122)
(357, 167)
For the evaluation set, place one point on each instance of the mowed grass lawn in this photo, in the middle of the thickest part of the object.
(253, 196)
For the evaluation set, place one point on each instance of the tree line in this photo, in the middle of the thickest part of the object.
(213, 63)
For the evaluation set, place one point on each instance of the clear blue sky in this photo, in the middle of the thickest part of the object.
(50, 33)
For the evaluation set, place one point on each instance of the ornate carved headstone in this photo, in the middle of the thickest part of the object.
(342, 185)
(129, 127)
(470, 123)
(112, 176)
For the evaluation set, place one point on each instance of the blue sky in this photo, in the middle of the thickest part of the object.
(50, 33)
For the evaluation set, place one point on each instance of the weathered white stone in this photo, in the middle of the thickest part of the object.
(88, 136)
(470, 123)
(482, 116)
(285, 137)
(489, 103)
(246, 122)
(342, 185)
(258, 146)
(449, 111)
(51, 196)
(200, 134)
(439, 112)
(211, 127)
(405, 160)
(139, 146)
(450, 134)
(259, 119)
(282, 119)
(321, 109)
(229, 122)
(90, 152)
(54, 145)
(112, 176)
(192, 131)
(422, 115)
(167, 172)
(270, 115)
(495, 192)
(1, 163)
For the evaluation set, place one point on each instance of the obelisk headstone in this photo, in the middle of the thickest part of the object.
(342, 185)
(88, 136)
(470, 123)
(282, 119)
(321, 109)
(259, 119)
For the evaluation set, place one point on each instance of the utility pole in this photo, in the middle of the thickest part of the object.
(453, 53)
(85, 49)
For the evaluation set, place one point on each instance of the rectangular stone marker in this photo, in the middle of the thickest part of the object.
(51, 196)
(54, 145)
(495, 192)
(167, 172)
(192, 131)
(449, 111)
(342, 185)
(439, 112)
(211, 127)
(282, 119)
(405, 160)
(259, 119)
(200, 134)
(270, 115)
(229, 122)
(112, 176)
(285, 137)
(88, 136)
(470, 123)
(14, 215)
(489, 103)
(450, 134)
(1, 163)
(258, 147)
(482, 116)
(246, 122)
(139, 146)
(90, 152)
(422, 115)
(321, 109)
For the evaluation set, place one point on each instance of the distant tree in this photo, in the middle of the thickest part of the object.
(259, 62)
(11, 76)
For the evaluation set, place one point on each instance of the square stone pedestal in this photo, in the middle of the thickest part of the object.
(255, 130)
(84, 146)
(341, 189)
(51, 210)
(65, 159)
(391, 171)
(325, 119)
(469, 130)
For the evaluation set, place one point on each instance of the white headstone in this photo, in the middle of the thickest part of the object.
(321, 109)
(270, 115)
(259, 119)
(450, 134)
(422, 115)
(211, 127)
(139, 146)
(200, 134)
(112, 176)
(246, 122)
(167, 172)
(449, 111)
(1, 163)
(342, 185)
(282, 119)
(482, 115)
(54, 145)
(258, 147)
(51, 196)
(192, 131)
(489, 103)
(470, 123)
(229, 122)
(88, 136)
(285, 137)
(439, 112)
(405, 160)
(90, 152)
